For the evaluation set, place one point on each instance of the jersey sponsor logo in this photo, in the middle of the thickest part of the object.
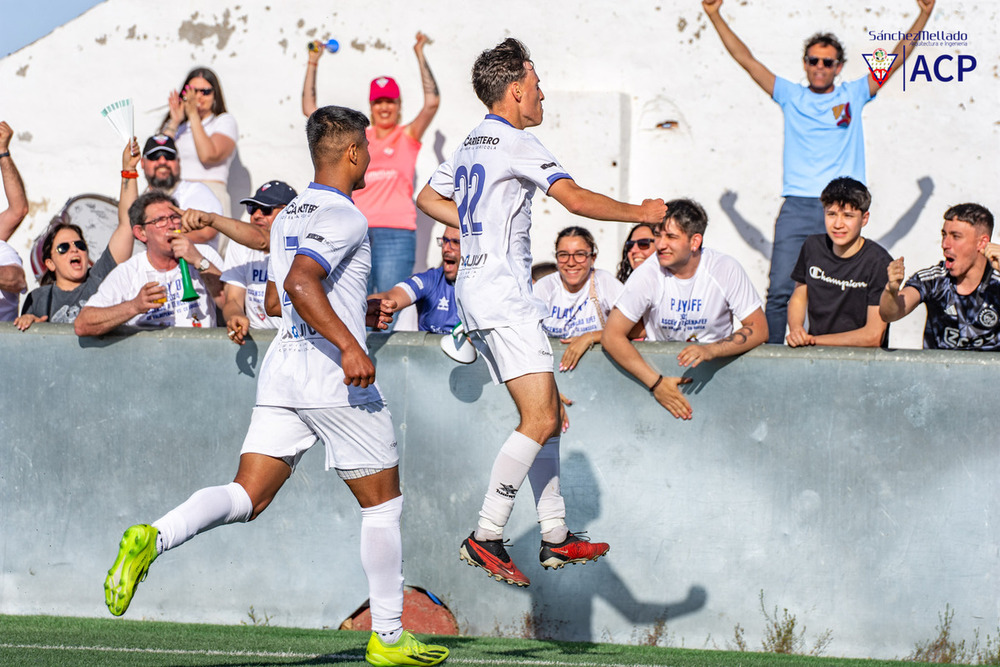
(293, 209)
(950, 310)
(481, 141)
(299, 330)
(842, 112)
(988, 317)
(506, 490)
(315, 237)
(686, 305)
(419, 283)
(291, 243)
(879, 63)
(470, 261)
(444, 304)
(954, 339)
(817, 273)
(547, 165)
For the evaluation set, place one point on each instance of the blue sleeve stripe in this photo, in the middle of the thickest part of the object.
(558, 177)
(312, 254)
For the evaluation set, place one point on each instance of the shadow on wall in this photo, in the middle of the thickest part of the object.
(240, 185)
(426, 224)
(562, 601)
(757, 240)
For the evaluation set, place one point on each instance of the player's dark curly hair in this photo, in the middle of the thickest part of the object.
(497, 68)
(845, 191)
(624, 268)
(824, 39)
(331, 129)
(976, 215)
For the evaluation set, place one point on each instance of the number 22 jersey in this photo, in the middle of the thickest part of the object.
(492, 178)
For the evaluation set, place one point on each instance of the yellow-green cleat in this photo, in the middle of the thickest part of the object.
(136, 551)
(406, 651)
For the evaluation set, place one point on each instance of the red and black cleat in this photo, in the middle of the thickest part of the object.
(573, 549)
(492, 557)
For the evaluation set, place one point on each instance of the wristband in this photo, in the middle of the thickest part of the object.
(652, 390)
(5, 154)
(130, 174)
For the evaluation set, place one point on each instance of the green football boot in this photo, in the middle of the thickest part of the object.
(406, 651)
(136, 552)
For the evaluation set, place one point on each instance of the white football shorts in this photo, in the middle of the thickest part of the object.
(513, 351)
(359, 439)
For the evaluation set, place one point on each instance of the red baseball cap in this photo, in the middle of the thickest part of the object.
(383, 86)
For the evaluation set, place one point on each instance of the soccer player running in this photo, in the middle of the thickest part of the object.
(316, 381)
(485, 190)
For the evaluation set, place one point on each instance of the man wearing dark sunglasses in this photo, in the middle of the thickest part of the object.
(823, 140)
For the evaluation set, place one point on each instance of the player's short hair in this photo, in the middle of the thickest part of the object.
(824, 39)
(581, 232)
(331, 129)
(976, 215)
(688, 215)
(846, 191)
(137, 211)
(497, 68)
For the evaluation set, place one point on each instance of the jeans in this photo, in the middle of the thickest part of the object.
(798, 218)
(393, 254)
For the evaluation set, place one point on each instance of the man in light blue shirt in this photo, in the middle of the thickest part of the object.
(823, 141)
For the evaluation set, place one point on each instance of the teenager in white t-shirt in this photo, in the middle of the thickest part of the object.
(485, 190)
(316, 382)
(578, 296)
(691, 294)
(146, 291)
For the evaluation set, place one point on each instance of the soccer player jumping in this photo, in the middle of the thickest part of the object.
(316, 381)
(485, 190)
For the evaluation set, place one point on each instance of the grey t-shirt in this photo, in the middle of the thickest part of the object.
(61, 306)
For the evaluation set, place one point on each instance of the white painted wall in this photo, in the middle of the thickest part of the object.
(612, 72)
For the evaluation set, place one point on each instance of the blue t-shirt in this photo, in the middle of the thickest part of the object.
(824, 139)
(434, 297)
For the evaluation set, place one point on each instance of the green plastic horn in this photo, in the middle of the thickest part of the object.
(189, 293)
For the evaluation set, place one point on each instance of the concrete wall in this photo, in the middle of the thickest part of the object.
(613, 74)
(856, 488)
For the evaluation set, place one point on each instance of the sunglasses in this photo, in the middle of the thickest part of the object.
(444, 240)
(64, 247)
(164, 220)
(203, 91)
(156, 156)
(266, 210)
(828, 63)
(644, 244)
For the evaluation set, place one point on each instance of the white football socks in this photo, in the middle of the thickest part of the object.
(509, 470)
(382, 560)
(544, 478)
(205, 509)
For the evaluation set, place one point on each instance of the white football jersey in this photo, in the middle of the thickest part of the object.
(247, 268)
(492, 178)
(699, 309)
(572, 314)
(302, 369)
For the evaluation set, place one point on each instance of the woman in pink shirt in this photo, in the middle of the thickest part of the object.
(387, 198)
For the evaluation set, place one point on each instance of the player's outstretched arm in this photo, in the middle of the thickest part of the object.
(897, 302)
(244, 233)
(870, 335)
(304, 287)
(926, 7)
(589, 204)
(13, 187)
(747, 337)
(440, 208)
(798, 304)
(397, 295)
(316, 50)
(432, 96)
(737, 49)
(664, 389)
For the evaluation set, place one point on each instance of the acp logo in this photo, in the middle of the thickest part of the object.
(879, 63)
(941, 72)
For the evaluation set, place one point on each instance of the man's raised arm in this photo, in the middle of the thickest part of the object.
(926, 7)
(589, 204)
(13, 187)
(737, 49)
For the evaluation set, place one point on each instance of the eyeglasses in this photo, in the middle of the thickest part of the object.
(828, 63)
(644, 244)
(64, 247)
(164, 220)
(580, 256)
(266, 210)
(444, 240)
(203, 91)
(156, 156)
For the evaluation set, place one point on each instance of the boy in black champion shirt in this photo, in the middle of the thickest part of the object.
(962, 293)
(839, 276)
